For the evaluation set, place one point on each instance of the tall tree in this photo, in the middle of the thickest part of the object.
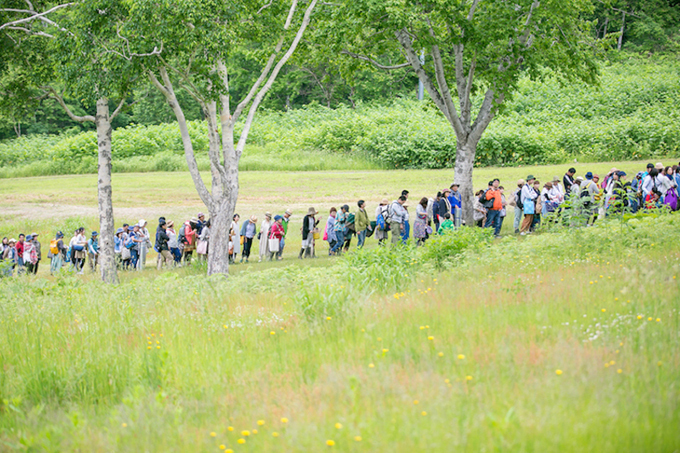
(193, 46)
(74, 49)
(468, 46)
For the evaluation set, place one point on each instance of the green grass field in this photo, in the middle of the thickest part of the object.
(559, 341)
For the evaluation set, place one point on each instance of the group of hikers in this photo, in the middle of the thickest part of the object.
(585, 197)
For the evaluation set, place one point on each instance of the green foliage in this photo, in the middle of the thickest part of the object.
(445, 250)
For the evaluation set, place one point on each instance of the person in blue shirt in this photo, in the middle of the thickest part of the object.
(93, 251)
(456, 205)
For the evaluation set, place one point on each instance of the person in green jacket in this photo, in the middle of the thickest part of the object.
(447, 224)
(286, 218)
(361, 223)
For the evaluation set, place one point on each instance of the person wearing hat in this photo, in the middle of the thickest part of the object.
(591, 194)
(529, 197)
(493, 215)
(568, 180)
(93, 251)
(516, 203)
(118, 246)
(38, 251)
(618, 197)
(162, 243)
(275, 237)
(361, 223)
(309, 224)
(161, 222)
(57, 253)
(200, 223)
(456, 202)
(382, 216)
(265, 226)
(248, 232)
(173, 242)
(30, 254)
(329, 230)
(444, 206)
(10, 255)
(284, 222)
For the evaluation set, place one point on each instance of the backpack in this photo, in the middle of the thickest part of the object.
(488, 204)
(584, 190)
(518, 199)
(671, 199)
(349, 223)
(54, 248)
(181, 238)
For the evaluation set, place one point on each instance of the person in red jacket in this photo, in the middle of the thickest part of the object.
(493, 216)
(20, 254)
(276, 233)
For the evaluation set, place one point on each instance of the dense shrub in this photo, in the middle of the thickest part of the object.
(633, 114)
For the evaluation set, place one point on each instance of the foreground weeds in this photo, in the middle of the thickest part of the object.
(565, 340)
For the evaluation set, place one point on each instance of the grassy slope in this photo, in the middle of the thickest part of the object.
(78, 374)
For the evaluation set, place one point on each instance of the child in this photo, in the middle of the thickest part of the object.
(447, 224)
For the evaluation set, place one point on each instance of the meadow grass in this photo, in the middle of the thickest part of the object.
(558, 341)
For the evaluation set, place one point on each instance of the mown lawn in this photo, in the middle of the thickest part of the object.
(560, 341)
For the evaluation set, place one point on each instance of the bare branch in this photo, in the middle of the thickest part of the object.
(33, 15)
(265, 7)
(118, 109)
(375, 63)
(265, 71)
(471, 14)
(31, 32)
(275, 72)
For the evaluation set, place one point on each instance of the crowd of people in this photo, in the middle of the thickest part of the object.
(585, 197)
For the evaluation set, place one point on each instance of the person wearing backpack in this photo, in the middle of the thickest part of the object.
(382, 220)
(493, 202)
(516, 203)
(339, 229)
(528, 196)
(444, 205)
(162, 243)
(57, 253)
(329, 233)
(93, 251)
(398, 216)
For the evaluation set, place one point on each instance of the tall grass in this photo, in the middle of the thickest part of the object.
(407, 357)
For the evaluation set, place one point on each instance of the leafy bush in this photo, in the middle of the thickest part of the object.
(445, 250)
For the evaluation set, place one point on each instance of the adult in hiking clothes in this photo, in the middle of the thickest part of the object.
(38, 251)
(479, 211)
(456, 202)
(338, 228)
(493, 214)
(30, 255)
(382, 220)
(203, 244)
(188, 237)
(568, 180)
(309, 224)
(9, 255)
(79, 250)
(444, 205)
(528, 198)
(144, 244)
(173, 242)
(655, 182)
(398, 219)
(329, 232)
(361, 223)
(161, 222)
(276, 234)
(590, 193)
(236, 236)
(516, 203)
(162, 244)
(420, 224)
(435, 211)
(619, 198)
(57, 253)
(407, 226)
(200, 223)
(264, 235)
(19, 247)
(93, 251)
(248, 232)
(134, 240)
(284, 223)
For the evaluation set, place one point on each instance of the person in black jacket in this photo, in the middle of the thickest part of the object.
(309, 224)
(162, 239)
(568, 180)
(444, 205)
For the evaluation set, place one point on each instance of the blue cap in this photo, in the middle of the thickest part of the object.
(621, 173)
(94, 233)
(60, 235)
(277, 218)
(119, 230)
(589, 175)
(29, 237)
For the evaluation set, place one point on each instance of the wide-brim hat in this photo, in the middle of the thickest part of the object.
(34, 234)
(556, 179)
(312, 211)
(446, 190)
(194, 220)
(170, 224)
(658, 166)
(141, 223)
(268, 215)
(385, 201)
(118, 231)
(530, 177)
(12, 240)
(253, 219)
(521, 182)
(289, 212)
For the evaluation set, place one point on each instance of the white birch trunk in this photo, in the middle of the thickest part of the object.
(465, 161)
(107, 258)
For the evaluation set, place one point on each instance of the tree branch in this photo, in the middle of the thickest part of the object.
(54, 95)
(373, 62)
(275, 72)
(118, 109)
(33, 15)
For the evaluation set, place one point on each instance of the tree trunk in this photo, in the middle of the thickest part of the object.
(107, 258)
(220, 222)
(465, 160)
(623, 29)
